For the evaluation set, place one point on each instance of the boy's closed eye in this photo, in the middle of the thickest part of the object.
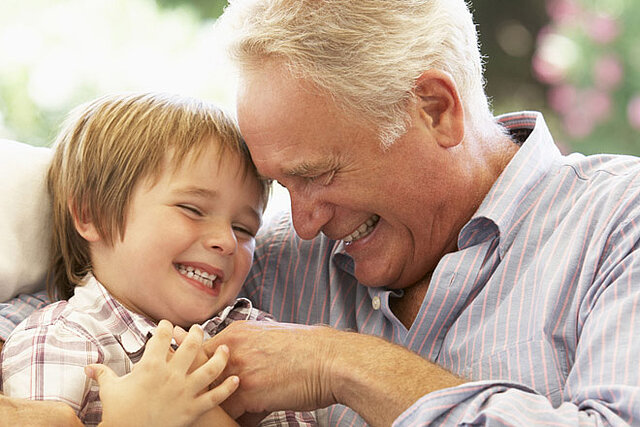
(246, 231)
(191, 210)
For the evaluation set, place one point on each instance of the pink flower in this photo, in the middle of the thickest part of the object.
(607, 72)
(545, 71)
(633, 112)
(602, 28)
(577, 124)
(562, 98)
(563, 11)
(597, 105)
(588, 109)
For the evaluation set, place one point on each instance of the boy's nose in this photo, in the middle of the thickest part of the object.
(221, 239)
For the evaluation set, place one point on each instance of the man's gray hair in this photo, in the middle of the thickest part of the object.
(366, 54)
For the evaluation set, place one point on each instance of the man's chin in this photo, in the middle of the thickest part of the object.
(385, 278)
(370, 279)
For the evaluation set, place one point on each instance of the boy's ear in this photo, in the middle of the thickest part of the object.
(83, 224)
(439, 107)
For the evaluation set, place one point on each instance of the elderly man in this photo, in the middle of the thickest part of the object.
(467, 271)
(491, 279)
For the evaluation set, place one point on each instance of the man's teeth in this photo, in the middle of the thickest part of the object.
(196, 274)
(364, 229)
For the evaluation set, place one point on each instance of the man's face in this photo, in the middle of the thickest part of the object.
(387, 205)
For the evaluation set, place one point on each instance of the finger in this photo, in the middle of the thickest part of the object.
(101, 373)
(159, 344)
(188, 350)
(217, 395)
(179, 334)
(207, 373)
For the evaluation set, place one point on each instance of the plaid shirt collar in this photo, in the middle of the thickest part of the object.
(133, 330)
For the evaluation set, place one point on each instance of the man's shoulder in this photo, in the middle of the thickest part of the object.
(603, 182)
(609, 167)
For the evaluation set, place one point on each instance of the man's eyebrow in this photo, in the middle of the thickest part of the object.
(310, 168)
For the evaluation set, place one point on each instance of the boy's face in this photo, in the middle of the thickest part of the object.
(188, 242)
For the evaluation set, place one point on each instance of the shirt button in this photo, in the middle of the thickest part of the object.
(375, 303)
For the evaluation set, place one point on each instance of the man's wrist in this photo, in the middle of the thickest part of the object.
(380, 380)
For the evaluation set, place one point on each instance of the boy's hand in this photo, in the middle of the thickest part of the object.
(201, 358)
(161, 390)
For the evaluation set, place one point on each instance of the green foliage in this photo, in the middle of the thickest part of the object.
(207, 9)
(589, 58)
(56, 55)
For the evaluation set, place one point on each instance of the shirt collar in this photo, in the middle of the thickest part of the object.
(495, 215)
(129, 328)
(517, 181)
(132, 330)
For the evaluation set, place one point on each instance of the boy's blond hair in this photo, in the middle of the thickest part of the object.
(105, 148)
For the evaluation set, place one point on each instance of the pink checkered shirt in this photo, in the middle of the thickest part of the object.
(45, 356)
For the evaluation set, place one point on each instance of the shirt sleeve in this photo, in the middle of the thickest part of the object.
(19, 308)
(46, 362)
(602, 386)
(289, 418)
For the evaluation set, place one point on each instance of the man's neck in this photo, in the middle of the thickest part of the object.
(407, 307)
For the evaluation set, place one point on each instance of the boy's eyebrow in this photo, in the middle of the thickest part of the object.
(205, 193)
(198, 192)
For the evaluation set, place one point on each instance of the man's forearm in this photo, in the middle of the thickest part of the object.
(380, 380)
(36, 413)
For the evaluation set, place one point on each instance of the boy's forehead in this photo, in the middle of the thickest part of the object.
(225, 161)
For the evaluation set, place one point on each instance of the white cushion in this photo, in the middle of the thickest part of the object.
(25, 218)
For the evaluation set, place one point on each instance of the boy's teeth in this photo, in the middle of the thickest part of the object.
(196, 274)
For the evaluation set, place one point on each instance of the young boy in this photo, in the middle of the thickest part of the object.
(156, 204)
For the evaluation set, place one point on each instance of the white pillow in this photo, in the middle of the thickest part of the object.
(25, 218)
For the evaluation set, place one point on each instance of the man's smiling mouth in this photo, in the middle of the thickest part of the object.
(363, 230)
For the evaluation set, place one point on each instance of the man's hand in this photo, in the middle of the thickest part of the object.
(162, 389)
(287, 366)
(32, 413)
(281, 366)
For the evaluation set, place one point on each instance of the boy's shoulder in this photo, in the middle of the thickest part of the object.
(48, 316)
(63, 317)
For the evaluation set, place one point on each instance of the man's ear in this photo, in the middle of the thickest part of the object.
(83, 224)
(439, 107)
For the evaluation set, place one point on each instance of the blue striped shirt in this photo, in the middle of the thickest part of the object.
(538, 307)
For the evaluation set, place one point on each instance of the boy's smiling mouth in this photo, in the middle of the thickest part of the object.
(196, 274)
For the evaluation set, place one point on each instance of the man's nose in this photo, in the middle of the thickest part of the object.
(221, 238)
(309, 215)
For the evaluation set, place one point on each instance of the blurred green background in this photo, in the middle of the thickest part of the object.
(575, 60)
